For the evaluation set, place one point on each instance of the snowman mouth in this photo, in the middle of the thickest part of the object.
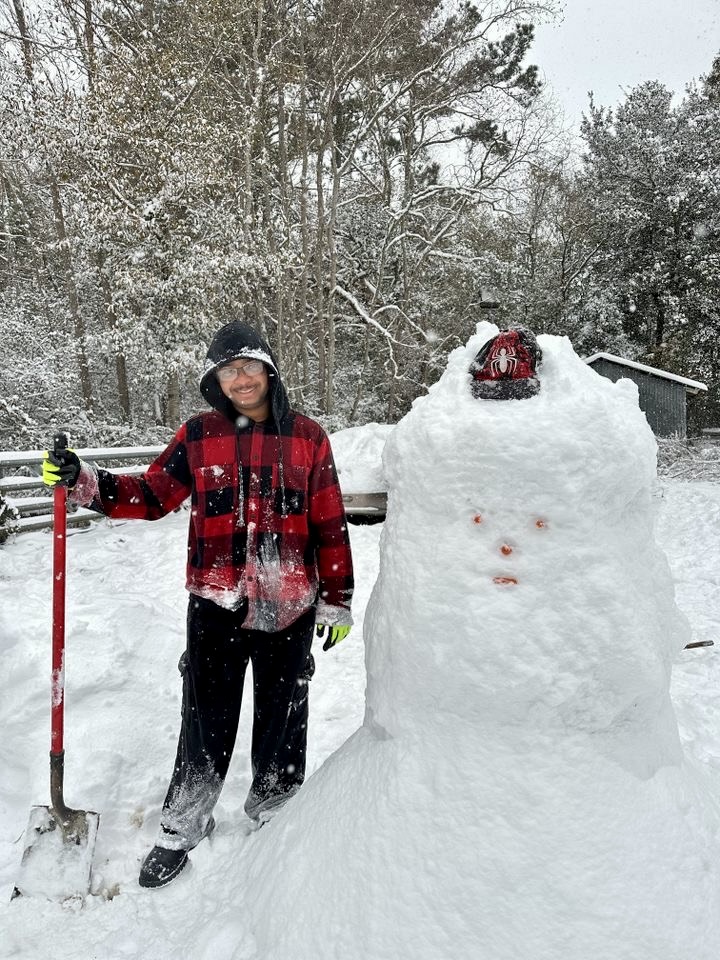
(505, 581)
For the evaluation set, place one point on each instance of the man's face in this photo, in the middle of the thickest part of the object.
(245, 383)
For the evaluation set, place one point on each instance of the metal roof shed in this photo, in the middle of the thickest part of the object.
(662, 395)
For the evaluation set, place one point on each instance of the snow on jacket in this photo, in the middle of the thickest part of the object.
(267, 522)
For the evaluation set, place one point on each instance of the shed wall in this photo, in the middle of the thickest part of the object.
(663, 401)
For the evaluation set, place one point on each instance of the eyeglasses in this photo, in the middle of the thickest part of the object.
(250, 369)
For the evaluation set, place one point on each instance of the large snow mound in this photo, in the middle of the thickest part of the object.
(518, 786)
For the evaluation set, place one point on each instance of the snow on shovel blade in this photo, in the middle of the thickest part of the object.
(57, 860)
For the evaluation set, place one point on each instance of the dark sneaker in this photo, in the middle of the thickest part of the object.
(161, 865)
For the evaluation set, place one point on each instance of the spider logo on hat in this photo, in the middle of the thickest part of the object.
(503, 361)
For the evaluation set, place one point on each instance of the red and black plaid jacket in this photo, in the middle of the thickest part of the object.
(267, 522)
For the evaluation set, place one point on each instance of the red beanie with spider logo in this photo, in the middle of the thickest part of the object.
(505, 367)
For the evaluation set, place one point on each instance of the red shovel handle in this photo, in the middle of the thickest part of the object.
(57, 714)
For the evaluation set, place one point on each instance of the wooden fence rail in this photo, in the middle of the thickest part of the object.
(30, 502)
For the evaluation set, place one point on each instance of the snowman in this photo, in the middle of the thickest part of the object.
(518, 787)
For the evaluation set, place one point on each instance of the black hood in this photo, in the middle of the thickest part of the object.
(235, 340)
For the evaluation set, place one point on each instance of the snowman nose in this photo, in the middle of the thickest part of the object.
(506, 550)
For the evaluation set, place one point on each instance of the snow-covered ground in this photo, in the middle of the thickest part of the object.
(125, 631)
(126, 609)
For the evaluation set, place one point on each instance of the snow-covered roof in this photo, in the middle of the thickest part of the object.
(692, 386)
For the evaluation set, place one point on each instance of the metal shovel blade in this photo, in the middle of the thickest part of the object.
(57, 859)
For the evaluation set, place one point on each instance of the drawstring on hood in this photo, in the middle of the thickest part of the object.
(234, 341)
(281, 474)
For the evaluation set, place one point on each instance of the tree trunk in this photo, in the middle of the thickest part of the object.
(361, 380)
(89, 38)
(120, 359)
(282, 294)
(329, 396)
(301, 318)
(320, 144)
(27, 51)
(72, 294)
(172, 404)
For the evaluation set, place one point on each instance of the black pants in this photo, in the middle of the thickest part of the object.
(213, 667)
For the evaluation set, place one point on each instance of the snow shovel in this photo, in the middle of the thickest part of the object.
(59, 842)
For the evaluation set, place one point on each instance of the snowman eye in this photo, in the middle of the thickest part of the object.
(541, 524)
(478, 518)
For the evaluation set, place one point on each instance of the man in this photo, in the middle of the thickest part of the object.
(268, 561)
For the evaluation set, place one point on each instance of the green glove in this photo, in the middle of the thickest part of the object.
(334, 634)
(60, 467)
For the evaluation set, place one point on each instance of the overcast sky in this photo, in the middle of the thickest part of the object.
(608, 46)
